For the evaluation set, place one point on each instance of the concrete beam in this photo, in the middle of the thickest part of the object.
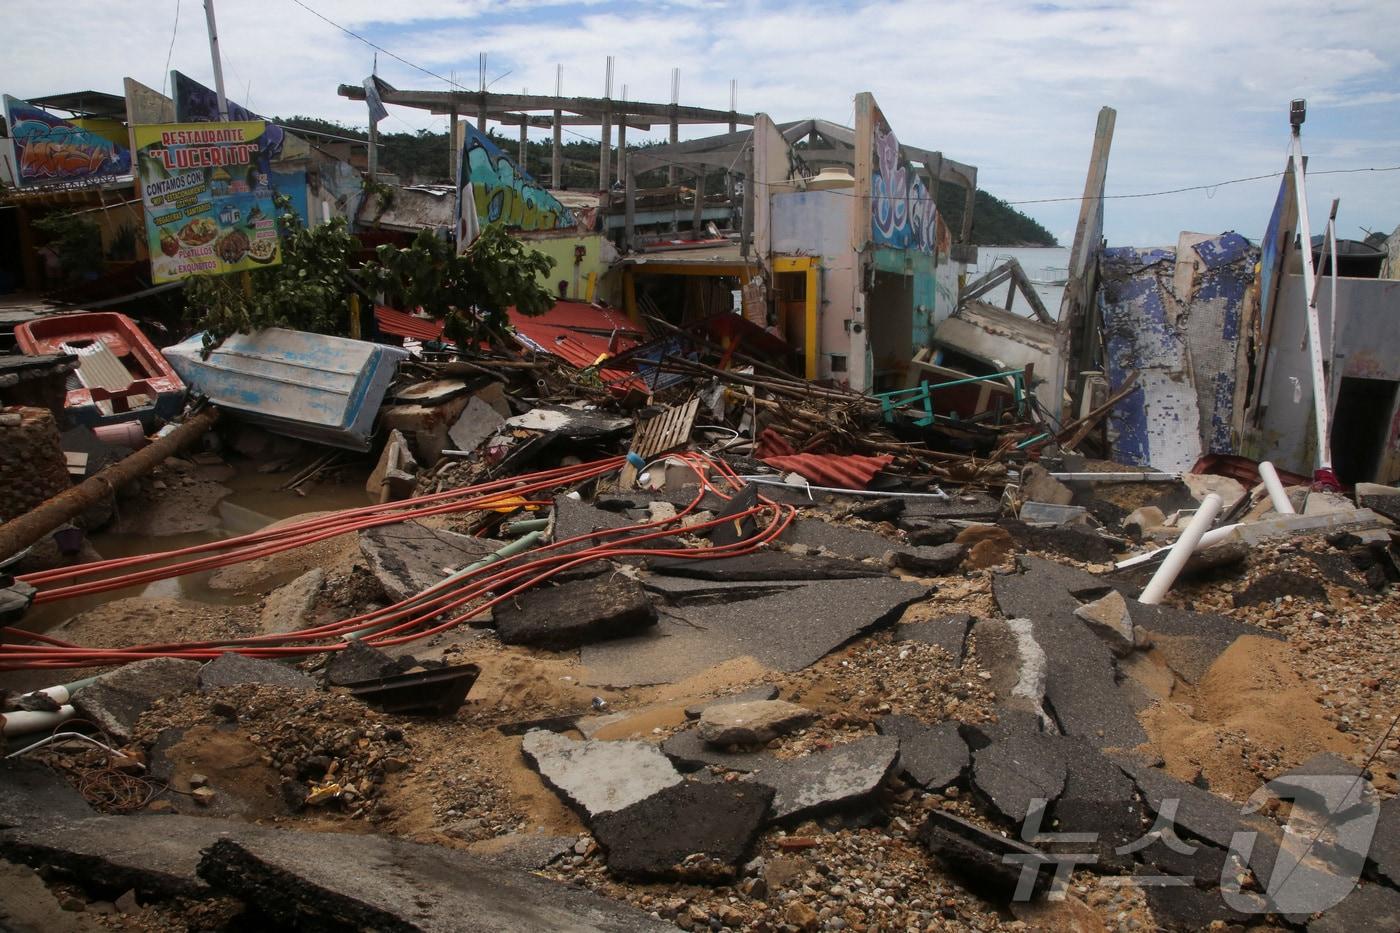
(587, 106)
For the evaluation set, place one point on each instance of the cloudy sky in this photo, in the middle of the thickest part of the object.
(1201, 89)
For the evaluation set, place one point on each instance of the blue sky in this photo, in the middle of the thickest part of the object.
(1201, 89)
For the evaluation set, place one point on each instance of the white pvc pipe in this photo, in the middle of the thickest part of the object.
(1209, 539)
(1277, 494)
(23, 722)
(1165, 576)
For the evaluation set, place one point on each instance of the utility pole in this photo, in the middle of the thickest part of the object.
(556, 159)
(214, 54)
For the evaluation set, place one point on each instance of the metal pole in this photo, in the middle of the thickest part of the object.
(214, 54)
(556, 158)
(1322, 472)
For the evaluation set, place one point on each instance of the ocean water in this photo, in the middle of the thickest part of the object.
(1042, 264)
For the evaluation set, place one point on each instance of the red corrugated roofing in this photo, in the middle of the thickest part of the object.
(406, 325)
(579, 333)
(846, 471)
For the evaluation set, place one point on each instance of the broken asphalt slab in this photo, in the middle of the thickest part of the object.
(597, 776)
(1367, 907)
(689, 752)
(786, 632)
(157, 855)
(1196, 811)
(408, 558)
(927, 561)
(778, 566)
(843, 541)
(288, 608)
(1097, 798)
(231, 669)
(1385, 843)
(309, 881)
(574, 613)
(28, 906)
(1081, 679)
(1191, 641)
(523, 851)
(31, 792)
(661, 836)
(986, 862)
(828, 779)
(116, 699)
(934, 757)
(1018, 768)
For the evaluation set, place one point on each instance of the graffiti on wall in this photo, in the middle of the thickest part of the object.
(50, 150)
(501, 192)
(902, 210)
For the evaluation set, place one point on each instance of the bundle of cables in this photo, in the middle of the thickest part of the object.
(457, 599)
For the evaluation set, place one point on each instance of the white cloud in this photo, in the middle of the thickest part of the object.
(1201, 89)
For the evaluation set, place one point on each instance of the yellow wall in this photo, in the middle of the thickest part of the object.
(561, 250)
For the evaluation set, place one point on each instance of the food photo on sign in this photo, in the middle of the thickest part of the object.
(208, 198)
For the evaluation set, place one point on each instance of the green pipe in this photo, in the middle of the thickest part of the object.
(510, 550)
(524, 525)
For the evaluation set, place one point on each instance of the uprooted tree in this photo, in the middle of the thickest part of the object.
(310, 290)
(469, 292)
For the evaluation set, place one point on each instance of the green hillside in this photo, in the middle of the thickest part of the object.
(994, 222)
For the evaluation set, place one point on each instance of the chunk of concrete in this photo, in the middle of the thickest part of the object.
(363, 882)
(575, 613)
(690, 752)
(359, 662)
(1327, 503)
(475, 425)
(927, 532)
(598, 776)
(691, 831)
(1378, 498)
(395, 474)
(116, 700)
(1045, 513)
(155, 855)
(425, 425)
(33, 793)
(762, 692)
(987, 863)
(841, 775)
(752, 723)
(1142, 520)
(1019, 768)
(927, 561)
(408, 558)
(1108, 617)
(934, 757)
(1037, 485)
(231, 669)
(288, 608)
(947, 632)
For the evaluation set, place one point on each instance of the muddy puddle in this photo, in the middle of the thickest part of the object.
(255, 501)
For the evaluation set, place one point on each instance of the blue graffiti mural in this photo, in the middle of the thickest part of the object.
(903, 213)
(503, 192)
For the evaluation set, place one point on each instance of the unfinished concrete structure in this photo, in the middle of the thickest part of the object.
(857, 269)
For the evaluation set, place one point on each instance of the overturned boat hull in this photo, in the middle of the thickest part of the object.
(309, 386)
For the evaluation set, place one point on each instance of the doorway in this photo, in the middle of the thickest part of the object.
(1361, 427)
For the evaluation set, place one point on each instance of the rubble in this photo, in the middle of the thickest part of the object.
(692, 831)
(231, 669)
(986, 862)
(116, 700)
(598, 776)
(764, 692)
(575, 612)
(947, 632)
(288, 608)
(927, 561)
(381, 882)
(1017, 768)
(839, 775)
(409, 557)
(934, 757)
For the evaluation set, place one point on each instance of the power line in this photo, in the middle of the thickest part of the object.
(170, 52)
(379, 48)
